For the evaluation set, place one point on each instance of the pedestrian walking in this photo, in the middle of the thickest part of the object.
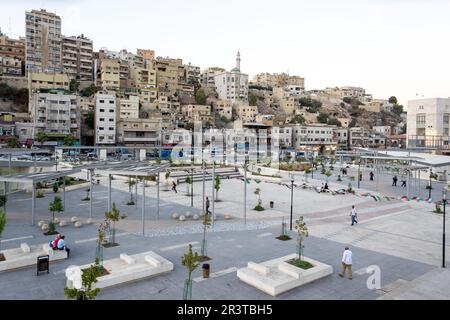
(360, 176)
(347, 263)
(354, 215)
(394, 181)
(174, 186)
(207, 206)
(371, 176)
(403, 182)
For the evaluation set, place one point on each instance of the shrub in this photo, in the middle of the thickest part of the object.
(259, 208)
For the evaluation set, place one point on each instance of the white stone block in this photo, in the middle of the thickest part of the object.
(258, 268)
(56, 221)
(74, 219)
(127, 259)
(182, 218)
(290, 270)
(25, 247)
(152, 261)
(78, 224)
(40, 223)
(62, 223)
(44, 227)
(196, 217)
(175, 215)
(89, 221)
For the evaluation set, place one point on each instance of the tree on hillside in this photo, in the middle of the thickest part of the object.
(393, 100)
(74, 85)
(253, 99)
(322, 117)
(397, 109)
(299, 119)
(200, 97)
(334, 121)
(90, 119)
(89, 91)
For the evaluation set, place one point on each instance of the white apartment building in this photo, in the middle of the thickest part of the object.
(207, 77)
(282, 137)
(428, 123)
(139, 132)
(129, 108)
(105, 119)
(57, 114)
(384, 130)
(42, 41)
(181, 137)
(232, 85)
(313, 135)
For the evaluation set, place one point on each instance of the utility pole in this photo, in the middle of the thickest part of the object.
(292, 199)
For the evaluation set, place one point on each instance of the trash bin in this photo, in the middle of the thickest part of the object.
(43, 264)
(271, 204)
(205, 268)
(98, 181)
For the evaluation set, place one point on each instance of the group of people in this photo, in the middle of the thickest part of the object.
(59, 243)
(324, 187)
(395, 179)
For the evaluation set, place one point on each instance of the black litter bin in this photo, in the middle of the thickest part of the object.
(43, 264)
(205, 268)
(271, 204)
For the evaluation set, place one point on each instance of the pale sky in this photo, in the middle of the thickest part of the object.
(389, 47)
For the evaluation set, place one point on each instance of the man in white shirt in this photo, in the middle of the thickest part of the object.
(354, 215)
(347, 263)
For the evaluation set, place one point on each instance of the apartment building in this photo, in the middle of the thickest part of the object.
(428, 123)
(55, 114)
(384, 130)
(247, 113)
(129, 108)
(341, 135)
(47, 81)
(105, 119)
(223, 108)
(43, 41)
(143, 77)
(377, 105)
(195, 112)
(139, 132)
(207, 77)
(77, 57)
(134, 60)
(283, 97)
(282, 137)
(110, 74)
(232, 85)
(147, 54)
(269, 80)
(315, 135)
(349, 92)
(12, 56)
(148, 95)
(167, 73)
(180, 137)
(191, 73)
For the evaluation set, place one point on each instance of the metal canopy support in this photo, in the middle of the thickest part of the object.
(135, 191)
(9, 163)
(143, 207)
(33, 204)
(109, 192)
(91, 176)
(245, 193)
(64, 194)
(213, 194)
(157, 197)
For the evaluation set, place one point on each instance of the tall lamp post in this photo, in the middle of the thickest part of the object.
(444, 202)
(359, 172)
(292, 198)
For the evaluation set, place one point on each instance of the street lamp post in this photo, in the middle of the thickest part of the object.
(359, 172)
(444, 202)
(292, 198)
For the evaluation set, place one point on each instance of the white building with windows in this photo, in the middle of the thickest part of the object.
(232, 85)
(105, 119)
(428, 123)
(129, 108)
(313, 135)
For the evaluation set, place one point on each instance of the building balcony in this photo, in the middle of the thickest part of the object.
(140, 139)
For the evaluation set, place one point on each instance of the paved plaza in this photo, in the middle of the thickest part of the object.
(402, 238)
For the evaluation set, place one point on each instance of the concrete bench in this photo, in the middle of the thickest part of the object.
(153, 261)
(25, 248)
(258, 268)
(127, 259)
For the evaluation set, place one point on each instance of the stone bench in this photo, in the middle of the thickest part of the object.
(277, 276)
(25, 256)
(129, 268)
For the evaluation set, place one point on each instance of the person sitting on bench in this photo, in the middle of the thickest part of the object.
(62, 245)
(54, 244)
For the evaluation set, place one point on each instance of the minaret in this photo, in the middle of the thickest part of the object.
(238, 61)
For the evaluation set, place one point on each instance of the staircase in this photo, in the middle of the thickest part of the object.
(223, 173)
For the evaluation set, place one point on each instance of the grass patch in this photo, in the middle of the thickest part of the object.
(302, 264)
(259, 208)
(284, 238)
(130, 203)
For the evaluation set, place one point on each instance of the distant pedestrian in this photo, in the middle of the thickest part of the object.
(354, 215)
(394, 181)
(207, 206)
(403, 182)
(371, 176)
(174, 186)
(347, 263)
(360, 176)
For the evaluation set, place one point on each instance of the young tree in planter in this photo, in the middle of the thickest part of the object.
(113, 216)
(56, 206)
(2, 227)
(307, 171)
(104, 226)
(188, 183)
(3, 200)
(206, 224)
(85, 291)
(259, 206)
(328, 174)
(190, 261)
(217, 186)
(302, 232)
